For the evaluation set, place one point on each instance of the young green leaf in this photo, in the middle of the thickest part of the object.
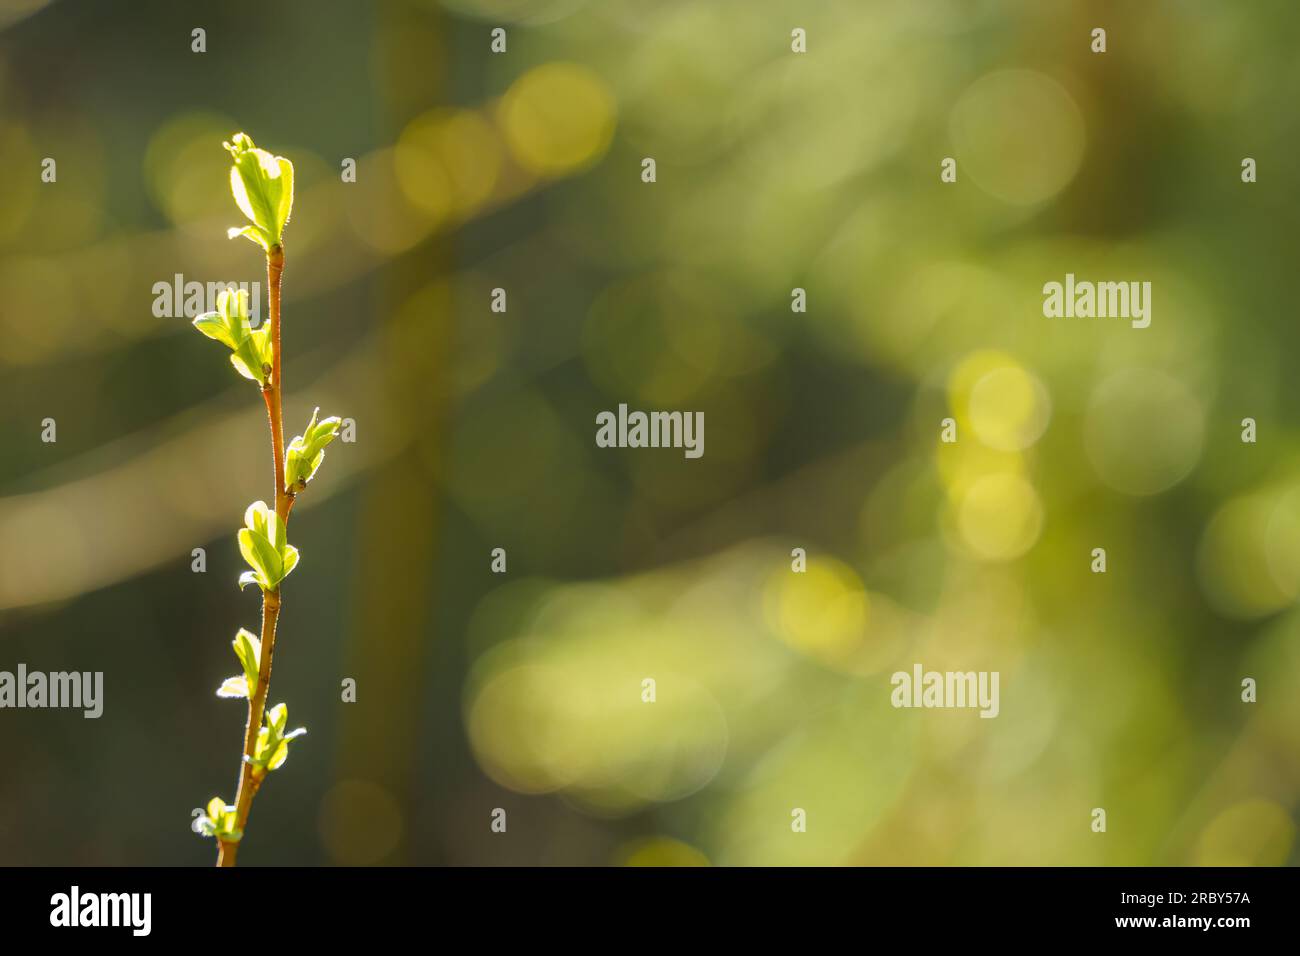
(277, 717)
(249, 651)
(272, 742)
(251, 349)
(218, 821)
(234, 687)
(307, 451)
(248, 648)
(262, 185)
(264, 546)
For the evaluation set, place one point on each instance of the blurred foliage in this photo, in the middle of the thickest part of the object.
(475, 429)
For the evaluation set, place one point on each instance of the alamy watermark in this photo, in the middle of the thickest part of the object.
(181, 299)
(635, 429)
(922, 688)
(76, 690)
(1101, 300)
(75, 908)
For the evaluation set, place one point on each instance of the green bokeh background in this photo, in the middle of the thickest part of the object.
(475, 430)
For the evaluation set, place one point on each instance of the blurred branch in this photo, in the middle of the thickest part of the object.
(59, 543)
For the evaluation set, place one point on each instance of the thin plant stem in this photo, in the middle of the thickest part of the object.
(250, 776)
